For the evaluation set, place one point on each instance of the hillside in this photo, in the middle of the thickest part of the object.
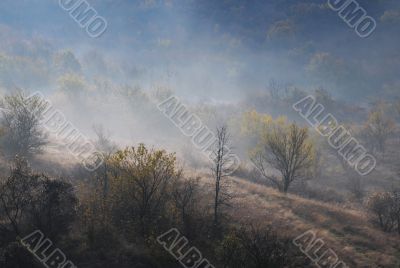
(348, 232)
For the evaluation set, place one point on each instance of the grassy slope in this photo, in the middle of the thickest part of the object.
(348, 232)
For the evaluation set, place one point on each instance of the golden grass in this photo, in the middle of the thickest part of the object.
(348, 232)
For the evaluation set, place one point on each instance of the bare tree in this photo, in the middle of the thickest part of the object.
(106, 147)
(396, 208)
(222, 160)
(185, 195)
(15, 196)
(287, 151)
(104, 144)
(274, 89)
(354, 180)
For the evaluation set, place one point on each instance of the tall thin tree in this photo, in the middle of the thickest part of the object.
(222, 160)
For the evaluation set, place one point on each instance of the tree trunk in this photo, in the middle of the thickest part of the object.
(216, 203)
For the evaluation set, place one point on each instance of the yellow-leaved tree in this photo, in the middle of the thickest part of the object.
(283, 153)
(378, 128)
(140, 182)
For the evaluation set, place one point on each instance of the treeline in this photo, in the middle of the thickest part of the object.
(113, 217)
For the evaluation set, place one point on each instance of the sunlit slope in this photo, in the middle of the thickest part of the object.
(348, 232)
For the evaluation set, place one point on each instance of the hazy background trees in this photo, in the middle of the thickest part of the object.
(22, 133)
(379, 128)
(111, 217)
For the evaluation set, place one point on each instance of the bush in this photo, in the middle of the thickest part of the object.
(258, 248)
(32, 201)
(384, 210)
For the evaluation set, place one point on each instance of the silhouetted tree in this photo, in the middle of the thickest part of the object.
(53, 207)
(16, 194)
(184, 195)
(33, 201)
(222, 161)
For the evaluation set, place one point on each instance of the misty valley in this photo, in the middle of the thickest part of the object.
(199, 134)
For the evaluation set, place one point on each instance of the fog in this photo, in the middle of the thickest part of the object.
(262, 77)
(210, 53)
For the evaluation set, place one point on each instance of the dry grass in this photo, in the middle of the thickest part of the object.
(348, 232)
